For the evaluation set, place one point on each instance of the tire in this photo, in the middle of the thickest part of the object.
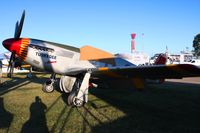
(48, 88)
(70, 98)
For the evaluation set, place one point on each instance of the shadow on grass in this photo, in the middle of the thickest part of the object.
(61, 122)
(5, 116)
(172, 107)
(18, 82)
(64, 123)
(37, 122)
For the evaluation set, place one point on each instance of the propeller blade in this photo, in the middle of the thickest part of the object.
(16, 29)
(19, 27)
(10, 74)
(11, 65)
(11, 57)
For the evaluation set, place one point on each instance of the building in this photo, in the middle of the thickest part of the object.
(135, 57)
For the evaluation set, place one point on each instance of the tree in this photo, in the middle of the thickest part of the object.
(196, 45)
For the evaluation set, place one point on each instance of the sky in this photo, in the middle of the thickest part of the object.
(106, 24)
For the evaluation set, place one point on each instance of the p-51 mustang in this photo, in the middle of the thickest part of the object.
(80, 67)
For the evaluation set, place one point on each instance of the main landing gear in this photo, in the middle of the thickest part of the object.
(48, 86)
(79, 94)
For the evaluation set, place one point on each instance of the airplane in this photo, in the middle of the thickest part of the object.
(18, 66)
(82, 67)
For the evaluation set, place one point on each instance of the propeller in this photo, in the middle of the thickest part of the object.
(11, 65)
(18, 30)
(18, 27)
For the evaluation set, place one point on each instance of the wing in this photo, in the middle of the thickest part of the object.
(150, 72)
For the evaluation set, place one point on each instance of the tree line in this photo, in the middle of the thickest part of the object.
(196, 45)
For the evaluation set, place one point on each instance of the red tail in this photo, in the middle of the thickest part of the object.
(162, 59)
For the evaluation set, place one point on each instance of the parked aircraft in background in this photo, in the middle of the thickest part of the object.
(18, 65)
(195, 62)
(80, 67)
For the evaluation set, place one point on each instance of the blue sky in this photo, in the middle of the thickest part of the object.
(106, 24)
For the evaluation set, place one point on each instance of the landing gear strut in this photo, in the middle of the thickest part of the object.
(48, 86)
(79, 94)
(29, 75)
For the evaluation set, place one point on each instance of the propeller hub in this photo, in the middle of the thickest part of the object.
(19, 46)
(12, 45)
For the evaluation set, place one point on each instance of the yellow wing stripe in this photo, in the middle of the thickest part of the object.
(103, 69)
(109, 73)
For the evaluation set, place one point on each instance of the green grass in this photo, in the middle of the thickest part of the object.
(164, 108)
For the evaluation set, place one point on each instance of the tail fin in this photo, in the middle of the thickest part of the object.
(161, 60)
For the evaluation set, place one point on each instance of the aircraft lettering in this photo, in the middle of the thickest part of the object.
(45, 55)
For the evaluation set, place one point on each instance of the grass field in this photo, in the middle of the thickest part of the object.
(167, 108)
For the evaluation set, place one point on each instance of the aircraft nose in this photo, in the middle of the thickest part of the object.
(12, 45)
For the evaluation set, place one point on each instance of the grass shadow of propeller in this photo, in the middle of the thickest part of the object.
(18, 82)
